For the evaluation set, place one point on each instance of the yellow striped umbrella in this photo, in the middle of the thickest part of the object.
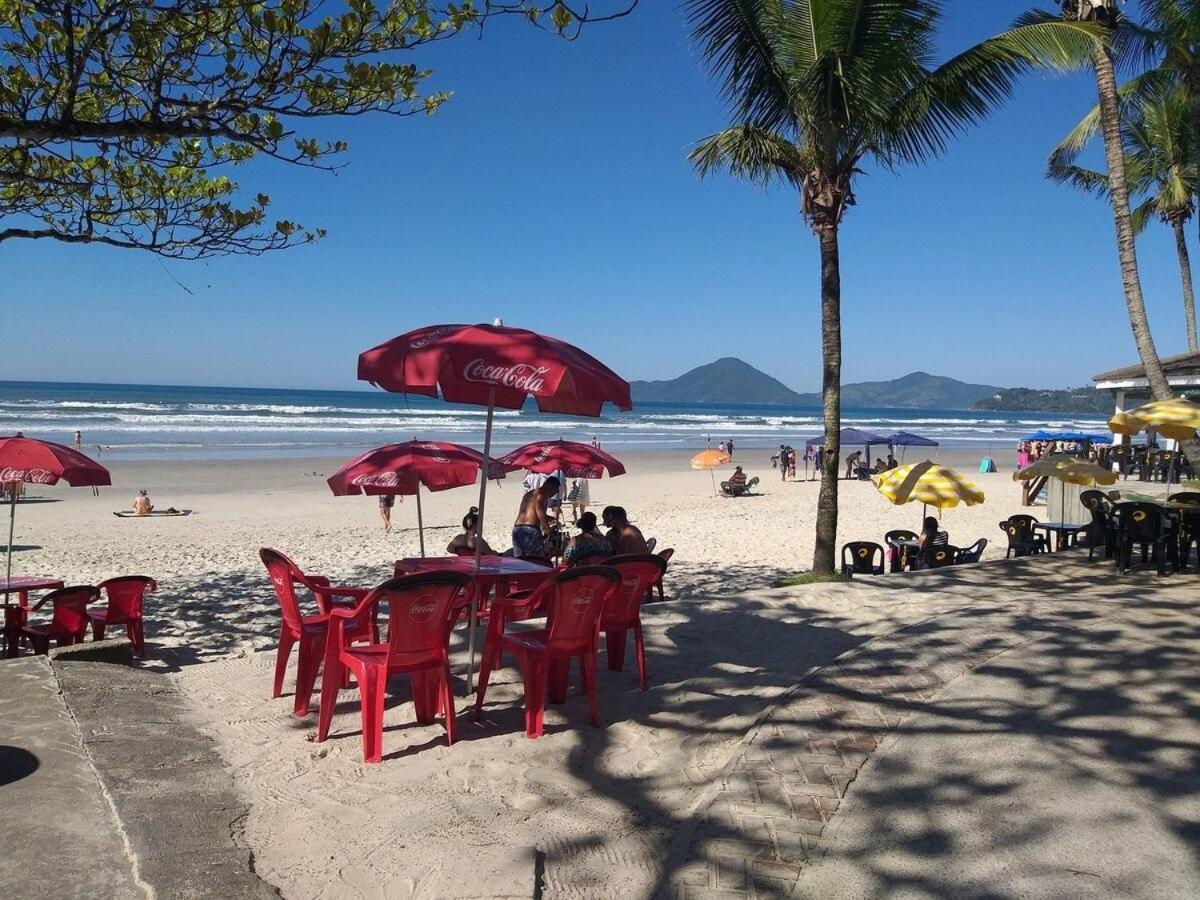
(710, 459)
(927, 482)
(1177, 419)
(1066, 467)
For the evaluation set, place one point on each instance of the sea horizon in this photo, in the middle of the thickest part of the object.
(145, 421)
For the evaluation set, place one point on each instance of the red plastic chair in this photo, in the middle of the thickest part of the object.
(573, 601)
(307, 631)
(623, 612)
(125, 595)
(68, 625)
(665, 556)
(421, 610)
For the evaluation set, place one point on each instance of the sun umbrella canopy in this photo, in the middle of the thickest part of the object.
(401, 468)
(1066, 467)
(851, 437)
(31, 461)
(484, 364)
(907, 439)
(1177, 419)
(928, 483)
(575, 460)
(710, 459)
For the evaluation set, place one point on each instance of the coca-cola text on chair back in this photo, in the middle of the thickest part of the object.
(70, 610)
(638, 572)
(577, 601)
(284, 574)
(419, 607)
(125, 595)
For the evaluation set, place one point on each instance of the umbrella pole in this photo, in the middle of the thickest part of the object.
(713, 475)
(483, 479)
(420, 522)
(12, 521)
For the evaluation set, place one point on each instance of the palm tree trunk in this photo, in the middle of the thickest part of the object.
(1185, 275)
(1114, 152)
(824, 556)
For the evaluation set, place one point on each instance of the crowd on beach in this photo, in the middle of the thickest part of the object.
(856, 466)
(1029, 452)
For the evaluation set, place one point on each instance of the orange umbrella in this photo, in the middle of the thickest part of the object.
(710, 459)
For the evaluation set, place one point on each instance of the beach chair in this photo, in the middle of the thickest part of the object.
(623, 612)
(1191, 498)
(68, 622)
(420, 612)
(1100, 530)
(665, 556)
(858, 558)
(307, 631)
(1142, 524)
(897, 554)
(1022, 539)
(573, 601)
(939, 556)
(125, 595)
(971, 554)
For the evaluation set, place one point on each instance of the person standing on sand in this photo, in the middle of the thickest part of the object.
(386, 502)
(852, 463)
(729, 447)
(79, 441)
(784, 461)
(532, 526)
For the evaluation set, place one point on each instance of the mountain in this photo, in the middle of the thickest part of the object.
(918, 390)
(1084, 400)
(727, 380)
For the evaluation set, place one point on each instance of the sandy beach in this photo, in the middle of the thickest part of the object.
(214, 597)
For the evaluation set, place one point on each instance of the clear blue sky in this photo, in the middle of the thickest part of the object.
(553, 191)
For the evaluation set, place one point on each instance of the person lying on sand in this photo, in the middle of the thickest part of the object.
(464, 544)
(141, 504)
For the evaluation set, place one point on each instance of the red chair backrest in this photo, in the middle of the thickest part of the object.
(638, 572)
(125, 595)
(419, 612)
(576, 602)
(70, 609)
(284, 574)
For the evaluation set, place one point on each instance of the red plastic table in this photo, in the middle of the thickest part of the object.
(16, 615)
(496, 573)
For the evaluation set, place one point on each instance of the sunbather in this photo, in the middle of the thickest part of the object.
(464, 544)
(141, 504)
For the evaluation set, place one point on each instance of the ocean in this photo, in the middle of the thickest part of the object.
(165, 422)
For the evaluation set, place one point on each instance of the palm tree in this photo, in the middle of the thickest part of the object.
(1105, 14)
(1158, 136)
(818, 88)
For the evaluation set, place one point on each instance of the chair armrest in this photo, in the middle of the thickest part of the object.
(328, 590)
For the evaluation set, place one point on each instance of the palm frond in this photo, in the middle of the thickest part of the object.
(750, 152)
(1086, 180)
(737, 38)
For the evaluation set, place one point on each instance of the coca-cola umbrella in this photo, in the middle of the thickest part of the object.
(29, 461)
(403, 468)
(573, 459)
(493, 366)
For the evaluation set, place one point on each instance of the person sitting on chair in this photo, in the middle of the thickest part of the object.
(464, 544)
(736, 483)
(623, 536)
(589, 541)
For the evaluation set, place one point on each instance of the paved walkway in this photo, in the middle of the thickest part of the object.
(108, 790)
(1046, 747)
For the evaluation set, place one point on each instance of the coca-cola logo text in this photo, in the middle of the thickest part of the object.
(430, 337)
(520, 376)
(422, 609)
(29, 476)
(581, 601)
(377, 479)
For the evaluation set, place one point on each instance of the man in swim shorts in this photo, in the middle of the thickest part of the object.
(533, 523)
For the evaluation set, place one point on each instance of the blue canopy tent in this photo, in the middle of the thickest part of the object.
(1075, 436)
(908, 439)
(852, 437)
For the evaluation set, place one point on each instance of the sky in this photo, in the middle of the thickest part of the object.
(553, 191)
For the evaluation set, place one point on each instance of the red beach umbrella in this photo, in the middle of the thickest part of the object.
(574, 459)
(492, 365)
(403, 468)
(28, 461)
